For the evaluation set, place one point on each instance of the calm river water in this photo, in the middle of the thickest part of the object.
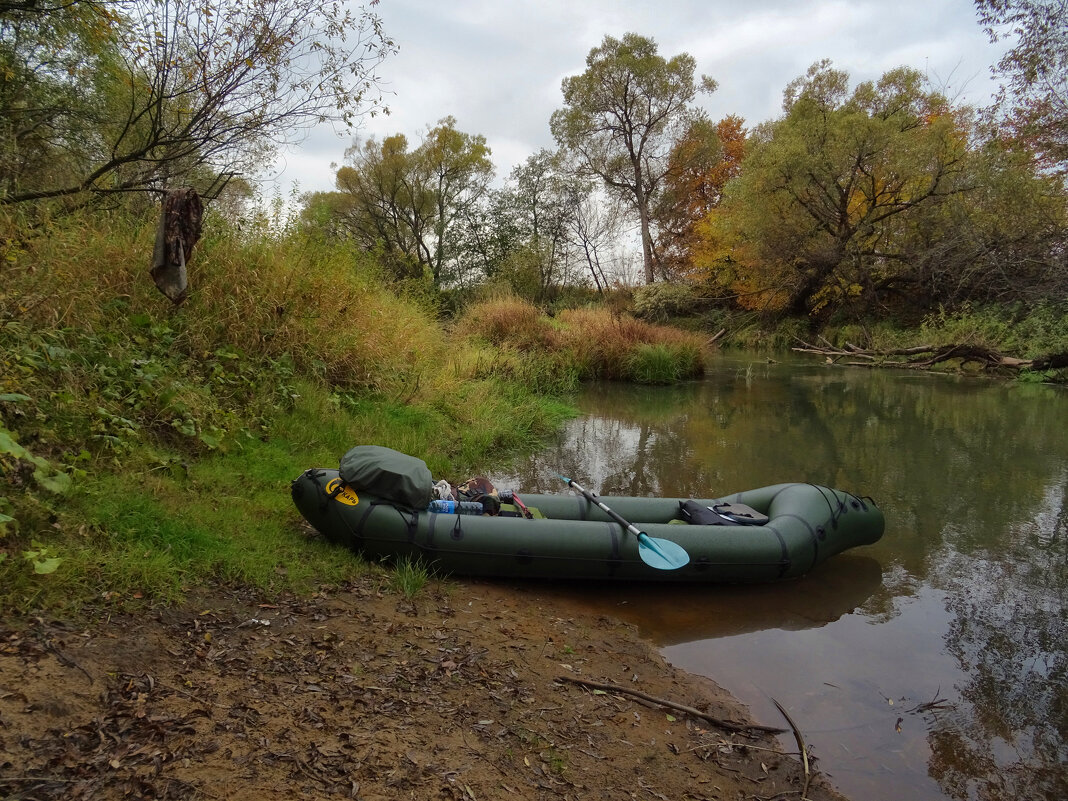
(933, 665)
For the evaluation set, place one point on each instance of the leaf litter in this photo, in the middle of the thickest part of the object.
(359, 694)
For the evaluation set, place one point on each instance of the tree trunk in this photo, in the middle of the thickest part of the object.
(647, 239)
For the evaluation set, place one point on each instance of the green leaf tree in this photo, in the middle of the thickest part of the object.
(383, 206)
(136, 94)
(412, 204)
(816, 214)
(1002, 241)
(621, 117)
(456, 169)
(50, 60)
(545, 194)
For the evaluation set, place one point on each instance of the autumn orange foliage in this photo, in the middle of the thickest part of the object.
(702, 162)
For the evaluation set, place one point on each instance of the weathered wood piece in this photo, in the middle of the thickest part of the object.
(925, 356)
(179, 229)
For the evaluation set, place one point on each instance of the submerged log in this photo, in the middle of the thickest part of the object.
(926, 356)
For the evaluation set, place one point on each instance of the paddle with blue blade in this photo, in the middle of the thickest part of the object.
(654, 551)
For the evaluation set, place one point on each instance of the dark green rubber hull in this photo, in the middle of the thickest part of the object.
(807, 524)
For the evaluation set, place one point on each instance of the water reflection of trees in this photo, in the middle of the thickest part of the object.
(972, 476)
(1010, 633)
(932, 452)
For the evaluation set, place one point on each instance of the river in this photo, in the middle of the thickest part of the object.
(932, 665)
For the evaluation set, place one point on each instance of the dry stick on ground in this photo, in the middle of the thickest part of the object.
(800, 745)
(64, 660)
(192, 697)
(689, 710)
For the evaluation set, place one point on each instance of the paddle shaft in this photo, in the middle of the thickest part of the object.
(659, 553)
(589, 496)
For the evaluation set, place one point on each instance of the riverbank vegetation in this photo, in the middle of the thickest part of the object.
(147, 449)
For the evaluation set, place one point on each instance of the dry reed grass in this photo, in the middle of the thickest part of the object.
(588, 342)
(605, 343)
(266, 296)
(509, 320)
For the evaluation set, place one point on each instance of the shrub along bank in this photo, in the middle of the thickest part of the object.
(146, 449)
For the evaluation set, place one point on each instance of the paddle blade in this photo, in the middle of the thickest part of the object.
(662, 554)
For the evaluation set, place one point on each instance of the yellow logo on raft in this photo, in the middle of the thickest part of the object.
(345, 495)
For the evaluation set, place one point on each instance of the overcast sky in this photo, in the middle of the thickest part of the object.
(496, 65)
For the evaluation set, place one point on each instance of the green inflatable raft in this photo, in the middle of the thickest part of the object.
(760, 535)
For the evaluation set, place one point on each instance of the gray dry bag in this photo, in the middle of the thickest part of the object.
(388, 474)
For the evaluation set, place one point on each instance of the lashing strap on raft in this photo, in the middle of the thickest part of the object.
(411, 521)
(839, 509)
(315, 474)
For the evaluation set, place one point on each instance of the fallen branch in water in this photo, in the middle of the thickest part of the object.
(689, 710)
(923, 356)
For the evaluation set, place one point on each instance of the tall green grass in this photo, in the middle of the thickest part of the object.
(1026, 332)
(1017, 331)
(409, 577)
(657, 364)
(164, 525)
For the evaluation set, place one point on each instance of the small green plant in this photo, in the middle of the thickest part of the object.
(557, 761)
(1036, 376)
(47, 475)
(409, 577)
(41, 559)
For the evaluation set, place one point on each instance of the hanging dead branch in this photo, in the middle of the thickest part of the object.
(178, 230)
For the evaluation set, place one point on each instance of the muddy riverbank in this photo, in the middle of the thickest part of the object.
(467, 692)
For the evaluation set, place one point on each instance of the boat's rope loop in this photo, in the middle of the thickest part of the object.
(410, 519)
(835, 512)
(315, 475)
(457, 529)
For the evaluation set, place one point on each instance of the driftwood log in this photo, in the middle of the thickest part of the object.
(726, 725)
(926, 356)
(179, 229)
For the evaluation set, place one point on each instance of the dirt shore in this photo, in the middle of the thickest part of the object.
(472, 691)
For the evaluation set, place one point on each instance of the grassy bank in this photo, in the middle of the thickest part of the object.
(146, 450)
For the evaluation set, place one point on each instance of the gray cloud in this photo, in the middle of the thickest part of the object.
(496, 66)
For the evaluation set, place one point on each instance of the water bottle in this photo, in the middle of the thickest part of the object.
(456, 507)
